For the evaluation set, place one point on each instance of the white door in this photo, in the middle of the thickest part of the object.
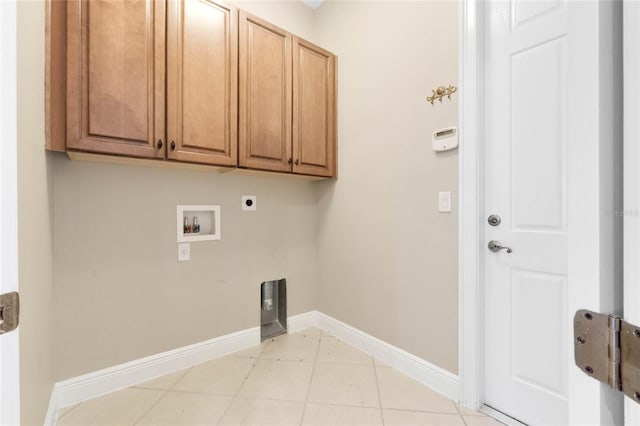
(631, 211)
(9, 361)
(526, 171)
(543, 178)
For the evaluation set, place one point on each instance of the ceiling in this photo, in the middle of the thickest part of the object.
(314, 4)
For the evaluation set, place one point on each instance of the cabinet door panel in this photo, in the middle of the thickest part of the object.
(202, 82)
(265, 95)
(314, 122)
(115, 76)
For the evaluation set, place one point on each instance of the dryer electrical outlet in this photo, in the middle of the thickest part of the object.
(249, 203)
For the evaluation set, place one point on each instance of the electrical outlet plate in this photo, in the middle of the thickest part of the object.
(249, 202)
(184, 252)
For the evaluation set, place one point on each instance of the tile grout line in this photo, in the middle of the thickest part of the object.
(166, 392)
(237, 393)
(375, 373)
(68, 411)
(313, 370)
(348, 364)
(414, 410)
(460, 413)
(333, 404)
(319, 339)
(190, 392)
(170, 388)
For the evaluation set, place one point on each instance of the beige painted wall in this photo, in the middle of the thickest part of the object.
(387, 260)
(291, 15)
(120, 292)
(369, 249)
(35, 221)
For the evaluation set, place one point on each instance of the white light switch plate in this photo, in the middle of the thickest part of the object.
(249, 202)
(184, 252)
(444, 202)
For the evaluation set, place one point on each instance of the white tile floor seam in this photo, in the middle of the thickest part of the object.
(150, 408)
(64, 411)
(309, 378)
(315, 362)
(460, 413)
(378, 390)
(232, 401)
(235, 397)
(141, 386)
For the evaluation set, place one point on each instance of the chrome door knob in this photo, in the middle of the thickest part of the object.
(496, 246)
(494, 220)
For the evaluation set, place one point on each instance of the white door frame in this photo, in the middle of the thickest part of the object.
(631, 210)
(470, 189)
(9, 343)
(585, 208)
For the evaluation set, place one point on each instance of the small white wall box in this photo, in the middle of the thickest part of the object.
(445, 139)
(208, 221)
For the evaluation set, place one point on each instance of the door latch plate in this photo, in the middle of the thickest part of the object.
(9, 312)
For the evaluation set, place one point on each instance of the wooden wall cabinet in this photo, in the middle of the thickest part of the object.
(116, 76)
(194, 81)
(264, 133)
(314, 109)
(287, 101)
(202, 82)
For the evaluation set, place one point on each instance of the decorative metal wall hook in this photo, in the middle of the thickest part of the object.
(441, 92)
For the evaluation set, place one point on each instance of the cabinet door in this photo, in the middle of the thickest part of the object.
(202, 82)
(314, 109)
(115, 76)
(265, 95)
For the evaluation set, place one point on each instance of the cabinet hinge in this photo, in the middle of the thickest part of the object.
(608, 349)
(9, 312)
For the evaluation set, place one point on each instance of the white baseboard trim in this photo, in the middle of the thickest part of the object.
(91, 385)
(300, 322)
(51, 418)
(78, 389)
(430, 375)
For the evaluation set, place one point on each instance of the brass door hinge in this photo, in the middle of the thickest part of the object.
(9, 312)
(608, 349)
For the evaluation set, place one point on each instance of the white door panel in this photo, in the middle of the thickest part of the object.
(526, 310)
(524, 11)
(9, 361)
(548, 161)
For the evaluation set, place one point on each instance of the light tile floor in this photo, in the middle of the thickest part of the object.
(307, 378)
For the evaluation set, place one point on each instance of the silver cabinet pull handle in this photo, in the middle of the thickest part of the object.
(496, 246)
